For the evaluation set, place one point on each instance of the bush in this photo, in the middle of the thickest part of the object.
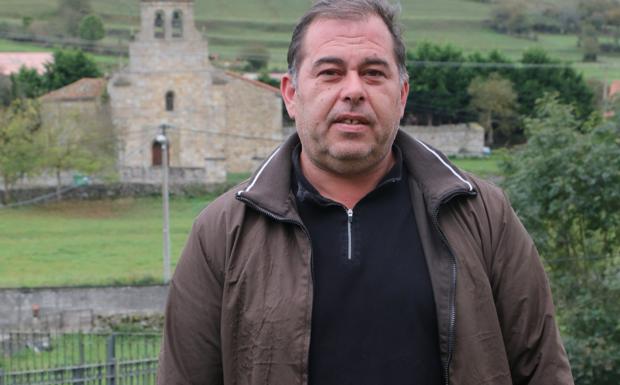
(91, 28)
(565, 186)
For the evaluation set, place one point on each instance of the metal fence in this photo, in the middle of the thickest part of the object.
(46, 358)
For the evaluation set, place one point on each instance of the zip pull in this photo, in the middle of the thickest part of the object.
(350, 217)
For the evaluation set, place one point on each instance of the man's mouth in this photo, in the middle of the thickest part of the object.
(351, 120)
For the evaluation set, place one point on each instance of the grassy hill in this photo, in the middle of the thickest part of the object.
(234, 25)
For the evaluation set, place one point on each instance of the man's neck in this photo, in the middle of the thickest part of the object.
(347, 190)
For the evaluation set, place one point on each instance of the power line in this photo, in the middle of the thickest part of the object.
(232, 135)
(45, 197)
(451, 64)
(39, 198)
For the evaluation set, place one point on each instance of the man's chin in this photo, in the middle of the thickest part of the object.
(351, 162)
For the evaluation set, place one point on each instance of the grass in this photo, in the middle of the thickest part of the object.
(79, 349)
(13, 46)
(109, 241)
(90, 243)
(486, 167)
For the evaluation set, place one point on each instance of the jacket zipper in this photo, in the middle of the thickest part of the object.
(452, 294)
(349, 221)
(305, 231)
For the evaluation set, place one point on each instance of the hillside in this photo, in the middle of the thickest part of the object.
(234, 26)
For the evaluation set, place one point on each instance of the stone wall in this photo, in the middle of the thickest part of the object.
(253, 125)
(452, 140)
(109, 191)
(76, 307)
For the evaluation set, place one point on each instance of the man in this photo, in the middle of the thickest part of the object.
(356, 254)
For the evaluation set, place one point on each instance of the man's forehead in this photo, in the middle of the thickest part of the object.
(369, 30)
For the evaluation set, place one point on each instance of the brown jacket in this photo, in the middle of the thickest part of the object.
(239, 306)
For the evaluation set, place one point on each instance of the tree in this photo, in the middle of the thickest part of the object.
(588, 42)
(257, 57)
(27, 83)
(439, 77)
(565, 186)
(6, 95)
(594, 12)
(494, 100)
(511, 17)
(19, 146)
(438, 92)
(72, 12)
(68, 66)
(91, 28)
(72, 144)
(546, 75)
(612, 19)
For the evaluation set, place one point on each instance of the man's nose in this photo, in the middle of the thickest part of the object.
(353, 88)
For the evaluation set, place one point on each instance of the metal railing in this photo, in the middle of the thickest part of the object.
(48, 358)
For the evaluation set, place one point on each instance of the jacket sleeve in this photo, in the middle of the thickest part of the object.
(524, 305)
(190, 351)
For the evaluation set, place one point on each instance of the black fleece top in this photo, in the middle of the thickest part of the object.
(373, 314)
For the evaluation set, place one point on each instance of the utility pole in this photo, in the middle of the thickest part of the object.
(606, 90)
(163, 140)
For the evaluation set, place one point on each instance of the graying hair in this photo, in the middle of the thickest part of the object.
(348, 10)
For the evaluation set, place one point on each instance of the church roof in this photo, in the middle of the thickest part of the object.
(254, 82)
(83, 89)
(11, 62)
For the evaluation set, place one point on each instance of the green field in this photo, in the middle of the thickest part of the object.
(487, 167)
(106, 242)
(90, 243)
(233, 25)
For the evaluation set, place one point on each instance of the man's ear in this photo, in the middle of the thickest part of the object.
(287, 89)
(404, 92)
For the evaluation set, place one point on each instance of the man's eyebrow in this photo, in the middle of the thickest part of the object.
(375, 61)
(328, 60)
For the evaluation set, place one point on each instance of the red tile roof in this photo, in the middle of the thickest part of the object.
(254, 82)
(11, 62)
(83, 89)
(614, 88)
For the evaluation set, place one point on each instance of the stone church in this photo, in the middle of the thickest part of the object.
(216, 122)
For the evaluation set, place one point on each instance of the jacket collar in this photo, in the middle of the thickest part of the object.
(438, 179)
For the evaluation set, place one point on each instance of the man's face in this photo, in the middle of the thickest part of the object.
(349, 98)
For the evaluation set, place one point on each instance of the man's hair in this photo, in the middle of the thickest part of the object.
(348, 10)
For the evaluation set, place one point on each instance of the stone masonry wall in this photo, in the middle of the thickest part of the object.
(458, 139)
(76, 308)
(452, 140)
(253, 125)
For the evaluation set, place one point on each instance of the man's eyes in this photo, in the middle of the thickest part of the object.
(370, 73)
(374, 73)
(329, 72)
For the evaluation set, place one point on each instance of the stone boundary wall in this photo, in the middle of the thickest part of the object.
(109, 191)
(452, 139)
(76, 308)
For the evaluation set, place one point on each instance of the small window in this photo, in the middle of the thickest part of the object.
(169, 101)
(160, 25)
(177, 24)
